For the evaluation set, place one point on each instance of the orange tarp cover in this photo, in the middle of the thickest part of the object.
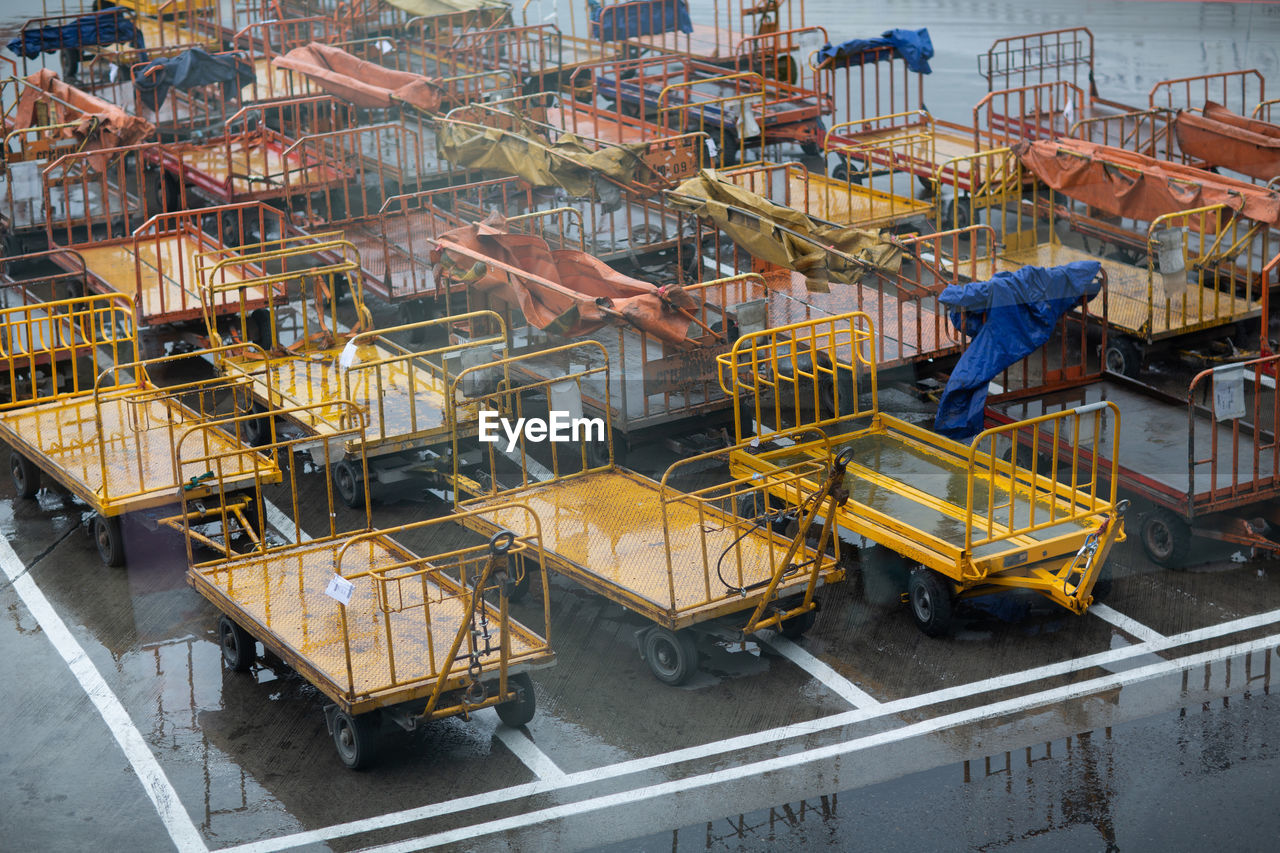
(563, 291)
(98, 123)
(1123, 183)
(1222, 138)
(365, 84)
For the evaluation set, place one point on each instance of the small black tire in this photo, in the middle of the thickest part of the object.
(931, 597)
(257, 431)
(519, 711)
(1165, 538)
(1122, 357)
(239, 649)
(349, 483)
(355, 736)
(108, 537)
(671, 655)
(797, 626)
(26, 476)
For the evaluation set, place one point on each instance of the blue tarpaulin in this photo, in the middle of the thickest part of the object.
(191, 68)
(109, 26)
(1007, 319)
(914, 46)
(618, 21)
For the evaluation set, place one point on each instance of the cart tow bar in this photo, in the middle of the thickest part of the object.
(1089, 550)
(499, 544)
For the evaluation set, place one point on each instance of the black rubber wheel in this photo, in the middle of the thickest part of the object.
(931, 601)
(1165, 537)
(955, 214)
(356, 738)
(348, 481)
(1122, 357)
(26, 476)
(672, 655)
(797, 626)
(239, 650)
(109, 539)
(519, 711)
(257, 431)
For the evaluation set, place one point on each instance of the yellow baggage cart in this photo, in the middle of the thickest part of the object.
(97, 426)
(384, 634)
(971, 516)
(304, 360)
(683, 560)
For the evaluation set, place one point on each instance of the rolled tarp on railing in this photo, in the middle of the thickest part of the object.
(91, 121)
(783, 236)
(1123, 183)
(564, 291)
(1220, 137)
(358, 81)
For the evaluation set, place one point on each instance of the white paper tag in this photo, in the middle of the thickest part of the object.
(384, 46)
(340, 589)
(113, 71)
(348, 356)
(1228, 392)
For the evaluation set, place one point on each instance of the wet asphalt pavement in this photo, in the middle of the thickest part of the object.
(1148, 724)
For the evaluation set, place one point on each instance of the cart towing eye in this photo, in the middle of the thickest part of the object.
(499, 544)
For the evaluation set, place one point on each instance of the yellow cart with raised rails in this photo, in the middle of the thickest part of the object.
(974, 521)
(311, 361)
(384, 634)
(684, 560)
(102, 430)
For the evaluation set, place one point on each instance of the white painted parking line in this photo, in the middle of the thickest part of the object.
(787, 762)
(780, 733)
(834, 681)
(281, 522)
(1130, 626)
(528, 753)
(176, 821)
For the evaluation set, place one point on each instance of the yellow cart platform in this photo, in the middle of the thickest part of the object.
(381, 632)
(305, 363)
(106, 433)
(683, 560)
(974, 521)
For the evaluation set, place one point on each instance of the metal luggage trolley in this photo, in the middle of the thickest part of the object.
(101, 429)
(383, 633)
(299, 360)
(655, 382)
(972, 521)
(682, 560)
(1196, 270)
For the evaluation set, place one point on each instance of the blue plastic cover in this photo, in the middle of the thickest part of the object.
(1007, 319)
(191, 68)
(109, 26)
(619, 21)
(914, 46)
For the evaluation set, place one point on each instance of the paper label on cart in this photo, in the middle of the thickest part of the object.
(1228, 392)
(340, 589)
(113, 72)
(384, 46)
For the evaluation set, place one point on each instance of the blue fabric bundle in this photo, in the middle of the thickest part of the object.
(1007, 319)
(619, 21)
(109, 26)
(914, 46)
(191, 68)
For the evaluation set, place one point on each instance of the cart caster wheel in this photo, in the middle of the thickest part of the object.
(1166, 538)
(797, 626)
(519, 711)
(26, 476)
(239, 650)
(348, 481)
(257, 431)
(108, 537)
(930, 596)
(1122, 357)
(672, 655)
(356, 738)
